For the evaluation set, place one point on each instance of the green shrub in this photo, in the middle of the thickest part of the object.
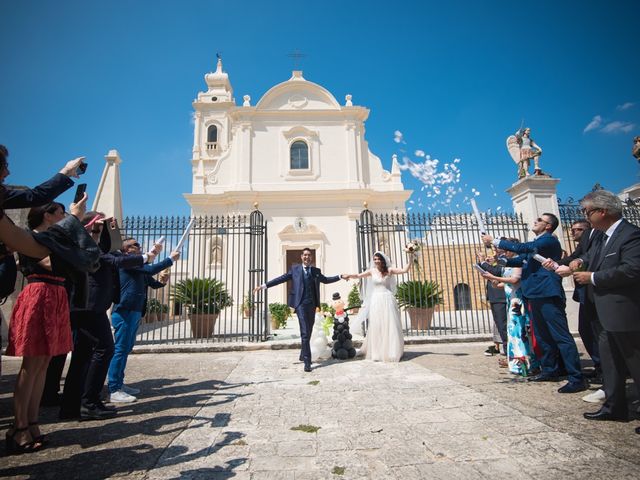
(202, 295)
(280, 312)
(353, 300)
(419, 294)
(155, 306)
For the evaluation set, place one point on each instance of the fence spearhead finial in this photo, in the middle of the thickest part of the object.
(255, 205)
(365, 205)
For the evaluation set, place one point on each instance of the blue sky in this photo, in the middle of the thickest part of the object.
(456, 78)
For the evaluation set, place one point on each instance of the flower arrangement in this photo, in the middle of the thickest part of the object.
(412, 248)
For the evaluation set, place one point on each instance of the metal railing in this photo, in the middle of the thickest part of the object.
(449, 244)
(231, 251)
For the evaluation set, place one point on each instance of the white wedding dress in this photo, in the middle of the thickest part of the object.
(384, 341)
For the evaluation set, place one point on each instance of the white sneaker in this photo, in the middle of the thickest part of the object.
(595, 397)
(130, 390)
(122, 397)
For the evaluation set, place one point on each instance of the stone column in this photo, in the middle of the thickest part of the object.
(534, 195)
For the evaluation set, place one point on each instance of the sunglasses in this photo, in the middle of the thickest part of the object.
(541, 220)
(587, 213)
(137, 245)
(577, 229)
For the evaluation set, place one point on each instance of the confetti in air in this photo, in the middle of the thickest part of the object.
(440, 181)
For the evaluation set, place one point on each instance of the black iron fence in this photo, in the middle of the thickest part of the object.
(208, 295)
(449, 244)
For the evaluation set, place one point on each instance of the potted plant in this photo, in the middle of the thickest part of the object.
(353, 300)
(155, 309)
(204, 299)
(420, 299)
(280, 313)
(247, 306)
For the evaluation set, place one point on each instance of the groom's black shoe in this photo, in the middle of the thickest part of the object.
(307, 366)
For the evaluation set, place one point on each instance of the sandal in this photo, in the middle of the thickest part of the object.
(503, 363)
(42, 439)
(15, 448)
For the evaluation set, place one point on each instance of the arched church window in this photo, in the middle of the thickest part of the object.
(212, 137)
(462, 296)
(299, 155)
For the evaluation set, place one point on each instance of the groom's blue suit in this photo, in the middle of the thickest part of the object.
(304, 298)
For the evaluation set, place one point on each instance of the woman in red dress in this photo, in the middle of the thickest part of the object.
(39, 329)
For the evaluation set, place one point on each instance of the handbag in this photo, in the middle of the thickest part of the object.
(8, 273)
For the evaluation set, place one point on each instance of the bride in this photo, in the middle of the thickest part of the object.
(384, 341)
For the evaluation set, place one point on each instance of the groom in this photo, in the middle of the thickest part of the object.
(304, 297)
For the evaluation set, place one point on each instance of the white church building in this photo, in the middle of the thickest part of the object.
(298, 156)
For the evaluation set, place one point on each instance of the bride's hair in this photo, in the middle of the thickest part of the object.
(384, 268)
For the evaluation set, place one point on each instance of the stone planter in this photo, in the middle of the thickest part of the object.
(420, 317)
(150, 318)
(202, 324)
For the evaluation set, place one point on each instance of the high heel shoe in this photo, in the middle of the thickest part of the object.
(41, 439)
(15, 448)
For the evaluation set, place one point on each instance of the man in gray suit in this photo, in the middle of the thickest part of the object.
(614, 284)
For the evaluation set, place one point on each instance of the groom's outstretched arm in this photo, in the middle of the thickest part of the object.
(272, 283)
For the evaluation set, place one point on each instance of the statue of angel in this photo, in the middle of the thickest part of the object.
(635, 151)
(522, 149)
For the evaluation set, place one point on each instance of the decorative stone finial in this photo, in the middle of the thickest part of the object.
(247, 101)
(348, 100)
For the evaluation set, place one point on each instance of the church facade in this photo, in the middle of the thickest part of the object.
(298, 156)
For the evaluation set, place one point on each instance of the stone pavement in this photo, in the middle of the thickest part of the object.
(445, 411)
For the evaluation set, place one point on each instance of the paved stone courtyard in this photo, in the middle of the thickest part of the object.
(445, 411)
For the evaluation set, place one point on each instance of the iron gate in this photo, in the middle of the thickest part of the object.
(230, 250)
(449, 243)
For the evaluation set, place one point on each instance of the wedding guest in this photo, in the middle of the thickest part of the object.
(497, 301)
(613, 279)
(39, 328)
(126, 314)
(520, 355)
(543, 292)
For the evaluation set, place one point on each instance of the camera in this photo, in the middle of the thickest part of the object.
(82, 168)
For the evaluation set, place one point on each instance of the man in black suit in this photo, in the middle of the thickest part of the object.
(614, 283)
(588, 328)
(304, 297)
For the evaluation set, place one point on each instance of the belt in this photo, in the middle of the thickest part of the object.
(45, 279)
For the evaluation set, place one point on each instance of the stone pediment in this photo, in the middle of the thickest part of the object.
(297, 94)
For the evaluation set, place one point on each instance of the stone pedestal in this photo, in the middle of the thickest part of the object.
(534, 195)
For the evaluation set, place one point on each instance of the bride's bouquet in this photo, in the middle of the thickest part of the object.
(412, 248)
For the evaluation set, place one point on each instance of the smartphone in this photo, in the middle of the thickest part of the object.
(81, 168)
(82, 187)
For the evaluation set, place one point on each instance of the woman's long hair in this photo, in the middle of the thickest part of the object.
(36, 214)
(384, 268)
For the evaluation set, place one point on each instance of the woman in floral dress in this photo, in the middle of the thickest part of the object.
(520, 354)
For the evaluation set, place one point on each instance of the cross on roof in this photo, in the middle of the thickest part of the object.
(296, 55)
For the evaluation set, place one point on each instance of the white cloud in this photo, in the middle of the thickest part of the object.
(593, 124)
(625, 106)
(617, 127)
